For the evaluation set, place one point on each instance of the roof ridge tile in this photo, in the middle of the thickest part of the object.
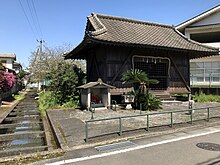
(97, 24)
(133, 20)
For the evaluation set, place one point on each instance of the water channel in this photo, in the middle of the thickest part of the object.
(22, 130)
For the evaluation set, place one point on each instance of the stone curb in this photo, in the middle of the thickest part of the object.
(5, 114)
(17, 158)
(56, 132)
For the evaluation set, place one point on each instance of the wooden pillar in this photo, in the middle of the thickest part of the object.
(88, 99)
(109, 99)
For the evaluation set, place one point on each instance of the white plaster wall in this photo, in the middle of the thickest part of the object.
(9, 63)
(213, 44)
(84, 100)
(210, 20)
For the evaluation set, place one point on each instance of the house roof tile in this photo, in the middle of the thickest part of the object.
(118, 30)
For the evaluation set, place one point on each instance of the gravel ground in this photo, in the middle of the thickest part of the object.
(86, 115)
(70, 123)
(141, 122)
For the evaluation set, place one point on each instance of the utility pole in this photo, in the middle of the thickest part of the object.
(39, 54)
(41, 48)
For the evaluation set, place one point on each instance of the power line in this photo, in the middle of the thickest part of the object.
(32, 17)
(27, 19)
(37, 17)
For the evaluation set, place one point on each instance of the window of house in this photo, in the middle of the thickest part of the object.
(3, 61)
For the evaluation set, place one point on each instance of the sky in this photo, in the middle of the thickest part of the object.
(62, 22)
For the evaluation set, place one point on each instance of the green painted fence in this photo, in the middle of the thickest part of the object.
(120, 118)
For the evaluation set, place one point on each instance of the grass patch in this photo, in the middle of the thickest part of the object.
(48, 100)
(203, 98)
(19, 96)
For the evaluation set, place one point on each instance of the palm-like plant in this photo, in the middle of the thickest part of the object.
(136, 76)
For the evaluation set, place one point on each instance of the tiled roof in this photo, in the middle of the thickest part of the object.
(129, 31)
(118, 30)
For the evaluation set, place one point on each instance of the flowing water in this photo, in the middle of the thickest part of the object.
(22, 130)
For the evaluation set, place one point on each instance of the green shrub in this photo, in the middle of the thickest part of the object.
(64, 80)
(47, 100)
(153, 102)
(70, 104)
(148, 101)
(202, 98)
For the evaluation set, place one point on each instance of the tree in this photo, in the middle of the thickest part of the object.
(142, 95)
(44, 60)
(64, 80)
(62, 76)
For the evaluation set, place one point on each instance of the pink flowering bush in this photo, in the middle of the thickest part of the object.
(7, 80)
(10, 80)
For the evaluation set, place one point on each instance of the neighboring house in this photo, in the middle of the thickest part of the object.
(112, 45)
(204, 28)
(7, 60)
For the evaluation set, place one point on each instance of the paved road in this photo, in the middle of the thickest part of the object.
(166, 150)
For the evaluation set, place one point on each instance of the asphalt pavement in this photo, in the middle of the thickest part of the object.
(180, 152)
(192, 146)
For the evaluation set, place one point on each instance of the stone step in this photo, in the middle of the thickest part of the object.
(25, 150)
(13, 136)
(22, 143)
(22, 129)
(25, 110)
(5, 126)
(26, 107)
(163, 95)
(22, 118)
(20, 113)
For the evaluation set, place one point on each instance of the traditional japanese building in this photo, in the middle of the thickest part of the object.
(112, 45)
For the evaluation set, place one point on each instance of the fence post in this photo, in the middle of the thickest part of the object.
(208, 114)
(171, 118)
(86, 128)
(191, 116)
(120, 127)
(92, 105)
(140, 108)
(147, 122)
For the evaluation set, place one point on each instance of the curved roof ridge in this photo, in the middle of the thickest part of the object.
(133, 20)
(97, 24)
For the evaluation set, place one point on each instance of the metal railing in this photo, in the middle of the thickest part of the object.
(119, 118)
